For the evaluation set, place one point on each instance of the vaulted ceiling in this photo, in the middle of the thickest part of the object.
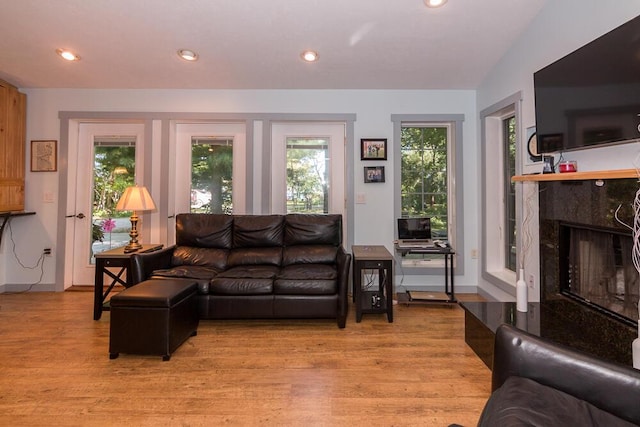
(256, 44)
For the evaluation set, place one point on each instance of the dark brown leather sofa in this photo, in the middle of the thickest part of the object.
(539, 383)
(257, 266)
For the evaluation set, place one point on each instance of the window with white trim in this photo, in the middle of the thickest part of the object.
(500, 241)
(428, 170)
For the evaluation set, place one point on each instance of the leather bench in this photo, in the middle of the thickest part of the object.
(153, 317)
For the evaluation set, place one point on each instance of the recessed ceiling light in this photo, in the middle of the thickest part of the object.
(188, 55)
(67, 54)
(309, 56)
(434, 3)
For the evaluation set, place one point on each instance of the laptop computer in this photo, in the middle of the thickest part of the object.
(414, 232)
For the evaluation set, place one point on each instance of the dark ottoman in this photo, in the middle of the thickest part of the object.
(153, 317)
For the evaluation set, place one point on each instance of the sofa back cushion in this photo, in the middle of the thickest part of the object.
(205, 257)
(204, 230)
(254, 231)
(313, 229)
(255, 256)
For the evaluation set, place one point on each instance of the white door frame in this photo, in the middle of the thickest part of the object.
(335, 133)
(78, 269)
(180, 170)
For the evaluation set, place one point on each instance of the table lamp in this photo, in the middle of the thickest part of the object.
(135, 199)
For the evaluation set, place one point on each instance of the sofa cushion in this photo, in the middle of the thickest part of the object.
(252, 231)
(311, 229)
(240, 286)
(206, 257)
(522, 401)
(245, 280)
(255, 256)
(305, 287)
(308, 271)
(204, 230)
(187, 272)
(307, 279)
(252, 271)
(309, 254)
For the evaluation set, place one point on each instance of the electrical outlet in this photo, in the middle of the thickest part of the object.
(47, 251)
(531, 280)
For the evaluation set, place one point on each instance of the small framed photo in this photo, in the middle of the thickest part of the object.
(373, 149)
(44, 156)
(373, 174)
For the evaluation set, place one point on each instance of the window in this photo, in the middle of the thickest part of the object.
(114, 168)
(424, 175)
(500, 231)
(428, 164)
(307, 175)
(509, 138)
(211, 175)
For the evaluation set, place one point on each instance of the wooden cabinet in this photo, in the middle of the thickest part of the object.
(12, 147)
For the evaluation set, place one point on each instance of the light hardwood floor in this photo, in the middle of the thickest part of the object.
(417, 371)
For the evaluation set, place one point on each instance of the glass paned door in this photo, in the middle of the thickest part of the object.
(209, 170)
(108, 159)
(308, 175)
(307, 168)
(114, 170)
(211, 175)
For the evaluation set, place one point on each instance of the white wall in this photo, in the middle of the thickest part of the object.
(560, 28)
(373, 221)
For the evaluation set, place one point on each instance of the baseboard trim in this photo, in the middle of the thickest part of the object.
(27, 287)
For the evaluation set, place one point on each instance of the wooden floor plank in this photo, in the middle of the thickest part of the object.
(417, 371)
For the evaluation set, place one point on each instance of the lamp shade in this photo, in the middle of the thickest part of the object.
(136, 199)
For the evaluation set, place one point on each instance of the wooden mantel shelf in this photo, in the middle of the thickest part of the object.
(576, 176)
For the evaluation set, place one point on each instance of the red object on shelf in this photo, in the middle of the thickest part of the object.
(568, 166)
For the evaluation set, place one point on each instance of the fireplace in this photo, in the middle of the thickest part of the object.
(596, 269)
(589, 287)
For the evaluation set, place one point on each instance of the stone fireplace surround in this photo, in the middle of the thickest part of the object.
(590, 199)
(587, 203)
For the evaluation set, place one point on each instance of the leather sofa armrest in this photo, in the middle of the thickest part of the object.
(143, 264)
(611, 387)
(343, 264)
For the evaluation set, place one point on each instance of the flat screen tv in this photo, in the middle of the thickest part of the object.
(591, 97)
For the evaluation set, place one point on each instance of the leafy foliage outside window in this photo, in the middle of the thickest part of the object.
(424, 183)
(307, 175)
(509, 129)
(212, 176)
(114, 171)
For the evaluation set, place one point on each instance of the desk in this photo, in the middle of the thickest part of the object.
(380, 299)
(114, 258)
(6, 216)
(449, 295)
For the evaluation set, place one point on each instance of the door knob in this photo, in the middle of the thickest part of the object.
(79, 216)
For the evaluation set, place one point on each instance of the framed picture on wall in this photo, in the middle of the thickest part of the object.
(373, 149)
(44, 156)
(373, 174)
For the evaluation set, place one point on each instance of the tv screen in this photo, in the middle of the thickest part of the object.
(591, 97)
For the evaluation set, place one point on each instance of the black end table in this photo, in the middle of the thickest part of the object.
(373, 299)
(114, 258)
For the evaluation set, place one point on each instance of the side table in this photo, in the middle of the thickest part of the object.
(482, 318)
(376, 299)
(113, 258)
